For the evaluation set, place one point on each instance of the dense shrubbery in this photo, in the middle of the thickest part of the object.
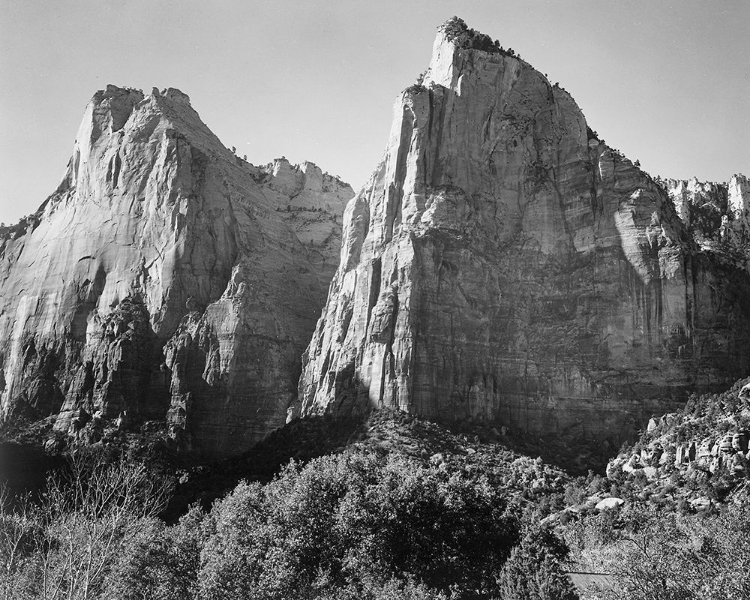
(353, 521)
(409, 510)
(360, 524)
(535, 569)
(657, 555)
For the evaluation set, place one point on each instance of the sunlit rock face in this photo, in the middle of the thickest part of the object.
(503, 264)
(166, 278)
(715, 214)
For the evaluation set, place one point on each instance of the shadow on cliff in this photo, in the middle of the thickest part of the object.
(301, 440)
(382, 431)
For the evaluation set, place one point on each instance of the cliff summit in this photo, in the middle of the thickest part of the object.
(504, 264)
(166, 279)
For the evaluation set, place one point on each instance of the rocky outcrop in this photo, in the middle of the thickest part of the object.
(716, 215)
(247, 345)
(504, 264)
(164, 275)
(693, 458)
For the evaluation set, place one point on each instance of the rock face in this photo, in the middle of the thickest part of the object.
(715, 214)
(166, 276)
(504, 264)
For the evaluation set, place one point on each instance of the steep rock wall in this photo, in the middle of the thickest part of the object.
(504, 264)
(246, 346)
(155, 220)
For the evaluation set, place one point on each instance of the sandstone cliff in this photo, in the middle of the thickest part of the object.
(715, 215)
(504, 264)
(165, 275)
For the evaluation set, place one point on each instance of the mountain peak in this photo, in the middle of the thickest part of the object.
(159, 240)
(457, 31)
(497, 222)
(458, 49)
(175, 95)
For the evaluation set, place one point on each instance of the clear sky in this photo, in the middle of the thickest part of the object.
(666, 82)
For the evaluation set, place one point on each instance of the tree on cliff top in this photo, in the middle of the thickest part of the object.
(456, 30)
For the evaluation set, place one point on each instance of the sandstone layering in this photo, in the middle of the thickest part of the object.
(504, 264)
(165, 279)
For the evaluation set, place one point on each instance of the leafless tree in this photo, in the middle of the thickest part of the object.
(19, 531)
(86, 518)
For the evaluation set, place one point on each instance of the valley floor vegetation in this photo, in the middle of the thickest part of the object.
(353, 525)
(382, 519)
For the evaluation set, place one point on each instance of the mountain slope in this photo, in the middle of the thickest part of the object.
(504, 264)
(693, 457)
(165, 274)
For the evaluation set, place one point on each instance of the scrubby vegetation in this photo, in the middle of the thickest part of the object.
(457, 31)
(655, 554)
(359, 524)
(67, 544)
(393, 507)
(29, 222)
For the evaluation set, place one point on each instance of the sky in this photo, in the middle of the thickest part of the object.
(666, 82)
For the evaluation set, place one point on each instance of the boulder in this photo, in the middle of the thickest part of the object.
(609, 503)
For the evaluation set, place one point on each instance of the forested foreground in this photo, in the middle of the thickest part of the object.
(359, 524)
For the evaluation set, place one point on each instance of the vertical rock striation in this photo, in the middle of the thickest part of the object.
(235, 366)
(502, 263)
(165, 275)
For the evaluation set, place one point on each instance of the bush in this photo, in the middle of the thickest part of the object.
(534, 569)
(457, 31)
(344, 522)
(162, 563)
